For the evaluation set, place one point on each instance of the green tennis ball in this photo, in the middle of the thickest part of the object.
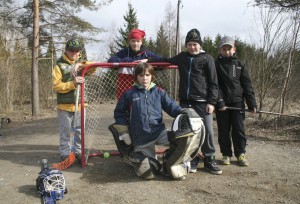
(106, 155)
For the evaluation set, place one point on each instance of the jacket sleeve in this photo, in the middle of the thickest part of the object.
(154, 58)
(169, 105)
(174, 60)
(121, 112)
(121, 56)
(58, 85)
(213, 88)
(220, 102)
(248, 88)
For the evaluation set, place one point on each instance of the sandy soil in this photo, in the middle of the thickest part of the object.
(272, 177)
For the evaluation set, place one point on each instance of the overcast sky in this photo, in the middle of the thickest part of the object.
(210, 17)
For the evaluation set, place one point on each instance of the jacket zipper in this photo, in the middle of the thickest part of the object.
(188, 81)
(233, 70)
(146, 98)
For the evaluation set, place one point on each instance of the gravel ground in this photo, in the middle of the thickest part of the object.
(272, 177)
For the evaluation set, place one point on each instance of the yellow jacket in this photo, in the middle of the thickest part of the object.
(64, 87)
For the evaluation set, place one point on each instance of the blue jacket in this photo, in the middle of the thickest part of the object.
(128, 55)
(141, 109)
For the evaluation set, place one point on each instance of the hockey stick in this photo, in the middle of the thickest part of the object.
(260, 111)
(71, 159)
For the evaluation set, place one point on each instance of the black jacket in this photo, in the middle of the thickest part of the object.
(234, 82)
(198, 77)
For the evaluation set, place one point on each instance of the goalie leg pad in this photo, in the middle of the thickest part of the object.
(122, 138)
(184, 145)
(180, 171)
(145, 167)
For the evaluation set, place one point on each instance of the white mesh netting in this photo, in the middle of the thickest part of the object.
(101, 90)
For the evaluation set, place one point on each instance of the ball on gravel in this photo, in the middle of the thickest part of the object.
(106, 155)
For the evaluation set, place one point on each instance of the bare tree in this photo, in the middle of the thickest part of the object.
(290, 4)
(35, 50)
(170, 27)
(268, 63)
(291, 59)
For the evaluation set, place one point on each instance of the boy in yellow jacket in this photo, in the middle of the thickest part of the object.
(65, 84)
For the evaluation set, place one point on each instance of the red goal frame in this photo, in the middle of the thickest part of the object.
(107, 65)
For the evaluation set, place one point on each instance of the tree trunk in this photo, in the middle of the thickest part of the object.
(34, 73)
(290, 66)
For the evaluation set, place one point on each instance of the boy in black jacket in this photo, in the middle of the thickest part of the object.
(198, 89)
(234, 88)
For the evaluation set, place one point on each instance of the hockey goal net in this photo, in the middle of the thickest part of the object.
(100, 92)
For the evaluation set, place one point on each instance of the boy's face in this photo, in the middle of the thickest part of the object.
(73, 54)
(193, 48)
(135, 44)
(227, 51)
(144, 79)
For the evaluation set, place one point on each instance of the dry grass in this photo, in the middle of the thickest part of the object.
(285, 129)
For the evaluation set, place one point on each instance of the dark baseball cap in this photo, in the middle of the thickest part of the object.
(73, 44)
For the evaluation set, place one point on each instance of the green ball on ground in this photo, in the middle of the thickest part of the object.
(106, 155)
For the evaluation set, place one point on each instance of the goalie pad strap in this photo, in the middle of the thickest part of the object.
(144, 167)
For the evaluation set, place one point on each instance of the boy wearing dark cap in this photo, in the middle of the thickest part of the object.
(198, 89)
(64, 84)
(234, 88)
(134, 53)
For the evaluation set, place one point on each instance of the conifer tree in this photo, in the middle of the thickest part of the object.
(151, 45)
(131, 22)
(162, 43)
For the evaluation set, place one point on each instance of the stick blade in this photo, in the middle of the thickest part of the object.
(66, 163)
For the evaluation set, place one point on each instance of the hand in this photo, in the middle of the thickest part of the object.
(253, 111)
(142, 60)
(210, 108)
(223, 108)
(77, 67)
(78, 80)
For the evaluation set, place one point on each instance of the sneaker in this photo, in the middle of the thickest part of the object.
(225, 160)
(242, 160)
(194, 164)
(211, 166)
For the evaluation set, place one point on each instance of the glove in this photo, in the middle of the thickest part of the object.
(190, 112)
(220, 104)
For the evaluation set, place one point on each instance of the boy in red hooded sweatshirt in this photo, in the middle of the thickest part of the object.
(135, 52)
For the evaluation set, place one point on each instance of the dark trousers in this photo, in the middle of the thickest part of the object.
(208, 147)
(231, 130)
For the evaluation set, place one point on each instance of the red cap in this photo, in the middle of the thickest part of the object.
(137, 34)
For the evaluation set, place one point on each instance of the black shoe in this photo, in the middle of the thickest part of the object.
(211, 166)
(194, 164)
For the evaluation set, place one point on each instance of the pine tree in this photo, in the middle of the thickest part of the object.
(131, 22)
(162, 43)
(209, 47)
(151, 45)
(63, 22)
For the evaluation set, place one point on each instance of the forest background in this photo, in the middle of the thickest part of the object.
(272, 60)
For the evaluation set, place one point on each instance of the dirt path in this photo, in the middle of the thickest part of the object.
(272, 177)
